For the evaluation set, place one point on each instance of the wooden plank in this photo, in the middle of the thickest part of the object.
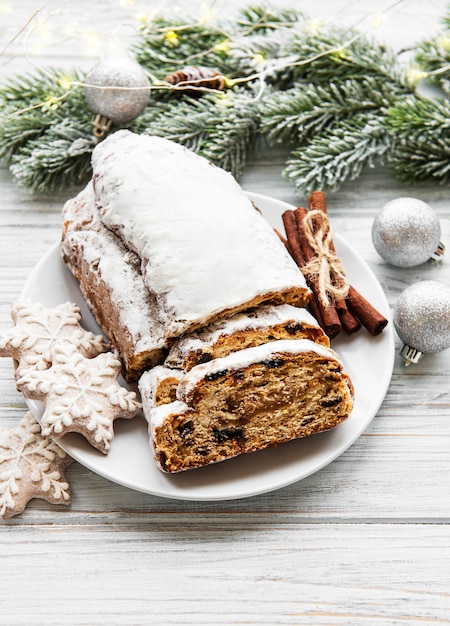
(246, 570)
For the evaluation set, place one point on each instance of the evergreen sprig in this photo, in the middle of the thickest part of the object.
(421, 129)
(340, 100)
(341, 54)
(166, 45)
(48, 147)
(433, 56)
(339, 153)
(220, 127)
(57, 160)
(333, 114)
(300, 113)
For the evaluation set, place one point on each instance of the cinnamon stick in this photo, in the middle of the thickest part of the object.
(290, 227)
(328, 313)
(358, 306)
(368, 315)
(349, 322)
(317, 202)
(295, 250)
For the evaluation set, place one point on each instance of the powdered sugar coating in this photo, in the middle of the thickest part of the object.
(204, 247)
(149, 382)
(158, 414)
(119, 270)
(262, 318)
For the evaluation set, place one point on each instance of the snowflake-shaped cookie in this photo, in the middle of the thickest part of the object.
(37, 330)
(31, 466)
(80, 395)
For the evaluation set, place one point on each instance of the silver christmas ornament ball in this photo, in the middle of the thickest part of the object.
(406, 232)
(132, 91)
(422, 319)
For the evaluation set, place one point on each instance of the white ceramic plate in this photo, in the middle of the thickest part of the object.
(369, 361)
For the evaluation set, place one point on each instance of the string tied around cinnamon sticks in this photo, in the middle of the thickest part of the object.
(310, 243)
(325, 264)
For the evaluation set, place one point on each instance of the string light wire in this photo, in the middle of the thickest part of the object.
(157, 84)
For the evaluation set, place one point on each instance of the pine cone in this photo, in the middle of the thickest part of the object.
(193, 79)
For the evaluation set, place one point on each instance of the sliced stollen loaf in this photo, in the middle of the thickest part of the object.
(112, 285)
(206, 252)
(250, 400)
(245, 330)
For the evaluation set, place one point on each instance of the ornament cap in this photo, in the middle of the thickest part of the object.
(439, 252)
(411, 355)
(101, 126)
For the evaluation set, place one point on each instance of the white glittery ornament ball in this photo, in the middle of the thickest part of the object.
(406, 233)
(422, 319)
(132, 91)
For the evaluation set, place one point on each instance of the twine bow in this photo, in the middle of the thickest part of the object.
(326, 266)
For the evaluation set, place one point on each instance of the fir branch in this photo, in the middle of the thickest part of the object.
(262, 19)
(340, 153)
(15, 132)
(220, 127)
(236, 50)
(342, 54)
(168, 45)
(58, 159)
(301, 112)
(433, 56)
(233, 136)
(336, 95)
(31, 104)
(420, 131)
(41, 91)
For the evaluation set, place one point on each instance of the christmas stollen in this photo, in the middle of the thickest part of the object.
(250, 400)
(206, 252)
(203, 277)
(112, 285)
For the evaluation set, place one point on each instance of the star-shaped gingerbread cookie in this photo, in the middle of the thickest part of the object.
(37, 330)
(31, 466)
(80, 395)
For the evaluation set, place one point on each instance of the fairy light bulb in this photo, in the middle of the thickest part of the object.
(223, 46)
(91, 40)
(207, 14)
(5, 8)
(314, 26)
(415, 74)
(379, 20)
(65, 82)
(171, 37)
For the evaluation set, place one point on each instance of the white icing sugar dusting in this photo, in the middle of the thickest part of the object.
(118, 269)
(149, 382)
(158, 414)
(204, 247)
(248, 356)
(262, 318)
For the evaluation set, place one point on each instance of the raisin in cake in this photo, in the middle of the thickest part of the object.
(247, 401)
(205, 251)
(112, 285)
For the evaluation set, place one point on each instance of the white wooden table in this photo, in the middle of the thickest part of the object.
(366, 540)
